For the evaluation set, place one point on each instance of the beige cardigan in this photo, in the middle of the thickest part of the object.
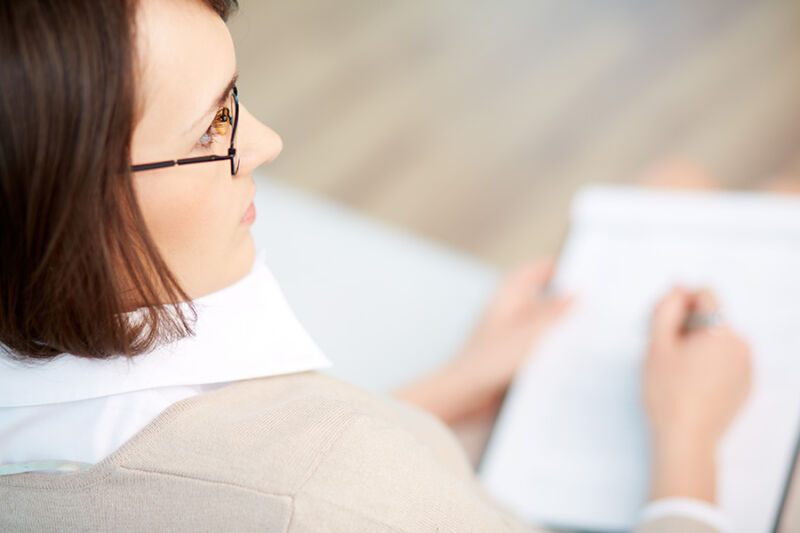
(297, 454)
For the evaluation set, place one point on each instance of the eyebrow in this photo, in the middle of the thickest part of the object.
(221, 99)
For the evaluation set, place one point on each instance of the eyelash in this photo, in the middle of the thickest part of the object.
(210, 135)
(222, 120)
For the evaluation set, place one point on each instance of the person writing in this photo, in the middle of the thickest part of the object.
(153, 377)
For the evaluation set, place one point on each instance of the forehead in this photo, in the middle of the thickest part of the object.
(185, 57)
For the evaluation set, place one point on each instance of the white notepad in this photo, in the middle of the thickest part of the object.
(570, 447)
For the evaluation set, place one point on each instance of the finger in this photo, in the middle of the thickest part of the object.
(544, 314)
(518, 290)
(530, 278)
(704, 305)
(705, 301)
(669, 317)
(556, 307)
(539, 272)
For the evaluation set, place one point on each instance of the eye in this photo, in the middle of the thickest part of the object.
(207, 139)
(219, 127)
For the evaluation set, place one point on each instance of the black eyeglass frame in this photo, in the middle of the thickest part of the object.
(206, 158)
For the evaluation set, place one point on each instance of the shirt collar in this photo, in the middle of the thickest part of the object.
(244, 331)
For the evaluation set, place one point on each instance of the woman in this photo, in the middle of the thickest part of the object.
(125, 167)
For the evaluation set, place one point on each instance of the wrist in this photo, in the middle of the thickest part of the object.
(684, 468)
(682, 445)
(452, 393)
(484, 380)
(468, 390)
(438, 393)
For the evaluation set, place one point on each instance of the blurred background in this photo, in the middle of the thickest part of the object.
(473, 122)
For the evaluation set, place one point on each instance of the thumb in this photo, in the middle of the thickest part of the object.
(522, 288)
(532, 277)
(669, 317)
(557, 306)
(550, 310)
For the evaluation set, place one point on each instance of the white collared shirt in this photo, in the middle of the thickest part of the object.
(81, 410)
(72, 412)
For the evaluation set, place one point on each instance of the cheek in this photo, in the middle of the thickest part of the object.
(189, 219)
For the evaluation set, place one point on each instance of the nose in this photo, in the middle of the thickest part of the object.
(256, 143)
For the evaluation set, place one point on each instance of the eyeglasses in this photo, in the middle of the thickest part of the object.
(222, 122)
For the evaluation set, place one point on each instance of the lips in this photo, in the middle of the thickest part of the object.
(250, 215)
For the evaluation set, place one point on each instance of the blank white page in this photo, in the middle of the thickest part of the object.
(570, 447)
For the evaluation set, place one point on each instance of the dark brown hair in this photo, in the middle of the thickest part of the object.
(74, 249)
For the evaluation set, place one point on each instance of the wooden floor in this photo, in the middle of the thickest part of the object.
(473, 122)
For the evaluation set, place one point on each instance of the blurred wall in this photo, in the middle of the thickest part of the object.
(473, 122)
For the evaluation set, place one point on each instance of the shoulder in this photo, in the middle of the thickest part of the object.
(285, 426)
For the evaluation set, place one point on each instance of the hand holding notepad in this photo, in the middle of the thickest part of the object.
(572, 447)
